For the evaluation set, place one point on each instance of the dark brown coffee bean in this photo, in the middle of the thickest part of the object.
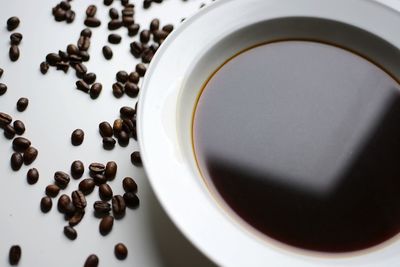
(105, 192)
(144, 36)
(62, 66)
(16, 38)
(114, 24)
(99, 179)
(114, 38)
(12, 23)
(108, 2)
(136, 49)
(91, 261)
(52, 190)
(16, 161)
(147, 55)
(78, 199)
(134, 77)
(111, 170)
(131, 89)
(3, 88)
(44, 67)
(101, 208)
(168, 28)
(120, 251)
(30, 155)
(146, 4)
(107, 52)
(14, 53)
(62, 179)
(131, 200)
(70, 16)
(32, 176)
(128, 126)
(63, 202)
(69, 211)
(129, 185)
(82, 86)
(1, 72)
(76, 218)
(77, 137)
(72, 49)
(19, 127)
(92, 22)
(20, 144)
(127, 21)
(127, 112)
(60, 14)
(77, 169)
(154, 25)
(113, 13)
(70, 233)
(118, 89)
(22, 104)
(97, 168)
(133, 29)
(52, 59)
(141, 69)
(106, 225)
(14, 255)
(91, 11)
(65, 5)
(75, 59)
(109, 143)
(128, 12)
(136, 159)
(86, 32)
(95, 90)
(105, 129)
(84, 55)
(123, 138)
(122, 76)
(86, 186)
(83, 43)
(89, 78)
(118, 206)
(9, 131)
(46, 204)
(5, 119)
(160, 35)
(117, 126)
(63, 55)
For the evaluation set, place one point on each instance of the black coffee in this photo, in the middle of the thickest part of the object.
(302, 140)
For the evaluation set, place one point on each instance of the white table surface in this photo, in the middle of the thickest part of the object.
(56, 108)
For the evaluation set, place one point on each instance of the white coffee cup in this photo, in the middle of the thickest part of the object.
(172, 85)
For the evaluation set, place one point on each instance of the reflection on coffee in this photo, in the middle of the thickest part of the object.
(302, 141)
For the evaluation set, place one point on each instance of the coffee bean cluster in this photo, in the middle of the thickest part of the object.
(63, 12)
(15, 38)
(91, 20)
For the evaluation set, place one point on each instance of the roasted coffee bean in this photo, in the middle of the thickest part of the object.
(105, 129)
(12, 23)
(99, 179)
(131, 200)
(22, 104)
(144, 36)
(128, 12)
(19, 127)
(106, 225)
(160, 35)
(70, 16)
(32, 176)
(95, 90)
(129, 185)
(44, 67)
(84, 55)
(30, 155)
(65, 5)
(118, 89)
(92, 22)
(86, 32)
(118, 206)
(141, 69)
(89, 78)
(60, 14)
(77, 137)
(134, 77)
(127, 21)
(78, 199)
(70, 232)
(16, 38)
(111, 170)
(107, 52)
(114, 24)
(105, 192)
(147, 55)
(16, 161)
(3, 88)
(69, 211)
(136, 159)
(83, 43)
(122, 76)
(91, 11)
(117, 126)
(5, 119)
(146, 4)
(75, 59)
(80, 69)
(82, 86)
(20, 144)
(128, 126)
(114, 38)
(109, 143)
(108, 2)
(62, 66)
(101, 208)
(86, 186)
(154, 25)
(136, 49)
(120, 251)
(77, 169)
(123, 138)
(97, 168)
(63, 55)
(46, 204)
(131, 89)
(14, 255)
(168, 28)
(76, 218)
(9, 131)
(62, 179)
(14, 53)
(1, 72)
(92, 260)
(72, 49)
(52, 190)
(63, 202)
(52, 59)
(127, 112)
(113, 13)
(133, 29)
